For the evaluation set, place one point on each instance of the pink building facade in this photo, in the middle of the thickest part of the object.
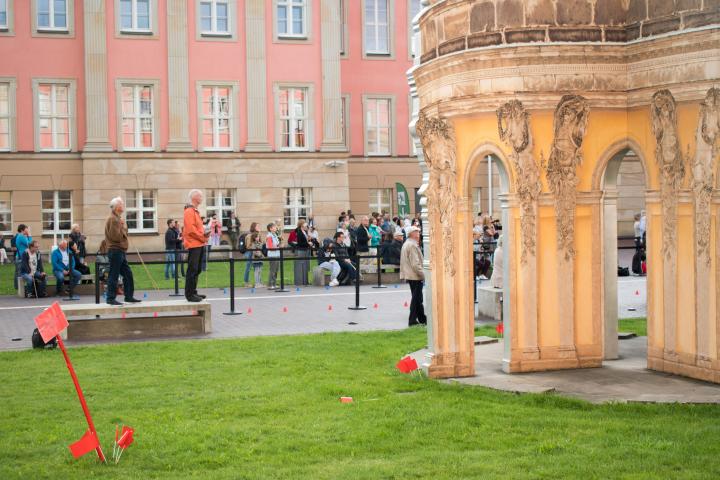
(275, 108)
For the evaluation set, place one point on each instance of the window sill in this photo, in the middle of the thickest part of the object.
(54, 234)
(215, 35)
(54, 31)
(137, 33)
(292, 38)
(56, 150)
(153, 233)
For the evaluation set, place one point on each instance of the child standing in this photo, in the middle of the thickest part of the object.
(272, 241)
(257, 257)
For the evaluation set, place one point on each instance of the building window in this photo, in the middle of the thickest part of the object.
(3, 14)
(477, 200)
(343, 29)
(5, 213)
(378, 126)
(293, 118)
(345, 119)
(56, 211)
(298, 206)
(377, 31)
(214, 17)
(140, 211)
(381, 200)
(5, 117)
(414, 8)
(291, 18)
(220, 202)
(216, 115)
(54, 116)
(135, 16)
(137, 117)
(52, 15)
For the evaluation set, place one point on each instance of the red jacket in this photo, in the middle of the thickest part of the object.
(193, 229)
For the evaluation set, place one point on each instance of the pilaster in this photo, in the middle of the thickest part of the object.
(96, 95)
(178, 73)
(256, 77)
(330, 37)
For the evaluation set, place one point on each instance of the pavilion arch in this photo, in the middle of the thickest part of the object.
(609, 162)
(481, 151)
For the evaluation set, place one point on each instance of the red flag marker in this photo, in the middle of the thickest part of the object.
(50, 323)
(407, 364)
(329, 308)
(405, 304)
(346, 399)
(637, 292)
(155, 314)
(500, 328)
(123, 315)
(249, 310)
(87, 443)
(375, 306)
(284, 310)
(126, 437)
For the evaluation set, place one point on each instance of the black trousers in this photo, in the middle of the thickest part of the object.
(417, 311)
(119, 266)
(194, 260)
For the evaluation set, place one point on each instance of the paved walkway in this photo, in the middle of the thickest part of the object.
(309, 310)
(624, 380)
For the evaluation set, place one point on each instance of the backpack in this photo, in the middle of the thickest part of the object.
(242, 243)
(623, 271)
(13, 241)
(264, 250)
(37, 341)
(292, 238)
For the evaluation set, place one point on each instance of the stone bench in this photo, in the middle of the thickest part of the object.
(489, 302)
(106, 322)
(82, 288)
(321, 277)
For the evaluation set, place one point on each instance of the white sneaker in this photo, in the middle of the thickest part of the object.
(334, 283)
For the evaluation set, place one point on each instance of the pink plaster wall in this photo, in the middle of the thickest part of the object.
(377, 76)
(137, 58)
(26, 57)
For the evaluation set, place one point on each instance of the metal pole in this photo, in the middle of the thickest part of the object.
(177, 280)
(232, 289)
(379, 279)
(282, 274)
(474, 280)
(490, 199)
(97, 282)
(357, 305)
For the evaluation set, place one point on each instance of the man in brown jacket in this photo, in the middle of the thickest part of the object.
(116, 238)
(411, 269)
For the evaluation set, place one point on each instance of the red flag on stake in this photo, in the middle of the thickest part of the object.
(249, 310)
(500, 328)
(375, 306)
(51, 322)
(284, 309)
(86, 444)
(126, 437)
(407, 364)
(405, 304)
(329, 308)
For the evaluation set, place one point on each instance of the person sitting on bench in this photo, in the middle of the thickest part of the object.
(31, 270)
(63, 263)
(326, 261)
(348, 271)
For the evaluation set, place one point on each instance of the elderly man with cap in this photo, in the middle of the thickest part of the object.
(194, 237)
(411, 269)
(116, 239)
(63, 265)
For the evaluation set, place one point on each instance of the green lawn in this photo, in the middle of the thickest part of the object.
(217, 275)
(268, 408)
(637, 325)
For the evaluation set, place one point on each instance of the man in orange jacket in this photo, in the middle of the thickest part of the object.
(194, 239)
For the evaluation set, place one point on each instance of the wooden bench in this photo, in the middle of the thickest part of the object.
(81, 288)
(106, 322)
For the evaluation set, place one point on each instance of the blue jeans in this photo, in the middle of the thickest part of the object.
(248, 266)
(18, 262)
(29, 287)
(60, 276)
(119, 266)
(169, 263)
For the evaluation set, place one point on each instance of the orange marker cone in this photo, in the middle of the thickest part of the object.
(405, 304)
(284, 309)
(637, 292)
(375, 306)
(329, 308)
(249, 310)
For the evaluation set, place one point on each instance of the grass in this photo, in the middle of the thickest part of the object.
(637, 325)
(217, 276)
(268, 408)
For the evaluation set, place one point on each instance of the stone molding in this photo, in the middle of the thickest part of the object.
(257, 104)
(178, 78)
(330, 22)
(96, 104)
(703, 174)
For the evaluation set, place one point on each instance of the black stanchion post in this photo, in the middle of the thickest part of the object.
(232, 289)
(282, 274)
(379, 272)
(176, 278)
(97, 282)
(357, 305)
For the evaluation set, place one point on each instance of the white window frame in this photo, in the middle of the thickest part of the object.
(8, 28)
(377, 55)
(56, 211)
(155, 84)
(309, 116)
(12, 113)
(391, 137)
(214, 32)
(71, 84)
(218, 206)
(152, 32)
(344, 30)
(477, 200)
(7, 210)
(229, 36)
(306, 20)
(346, 106)
(51, 31)
(294, 206)
(140, 209)
(233, 114)
(410, 27)
(377, 205)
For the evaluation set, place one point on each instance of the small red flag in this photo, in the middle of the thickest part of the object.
(51, 322)
(405, 304)
(407, 365)
(86, 444)
(126, 437)
(329, 308)
(500, 328)
(284, 309)
(375, 306)
(249, 310)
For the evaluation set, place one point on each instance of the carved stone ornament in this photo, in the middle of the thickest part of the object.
(703, 172)
(438, 140)
(669, 158)
(513, 129)
(570, 124)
